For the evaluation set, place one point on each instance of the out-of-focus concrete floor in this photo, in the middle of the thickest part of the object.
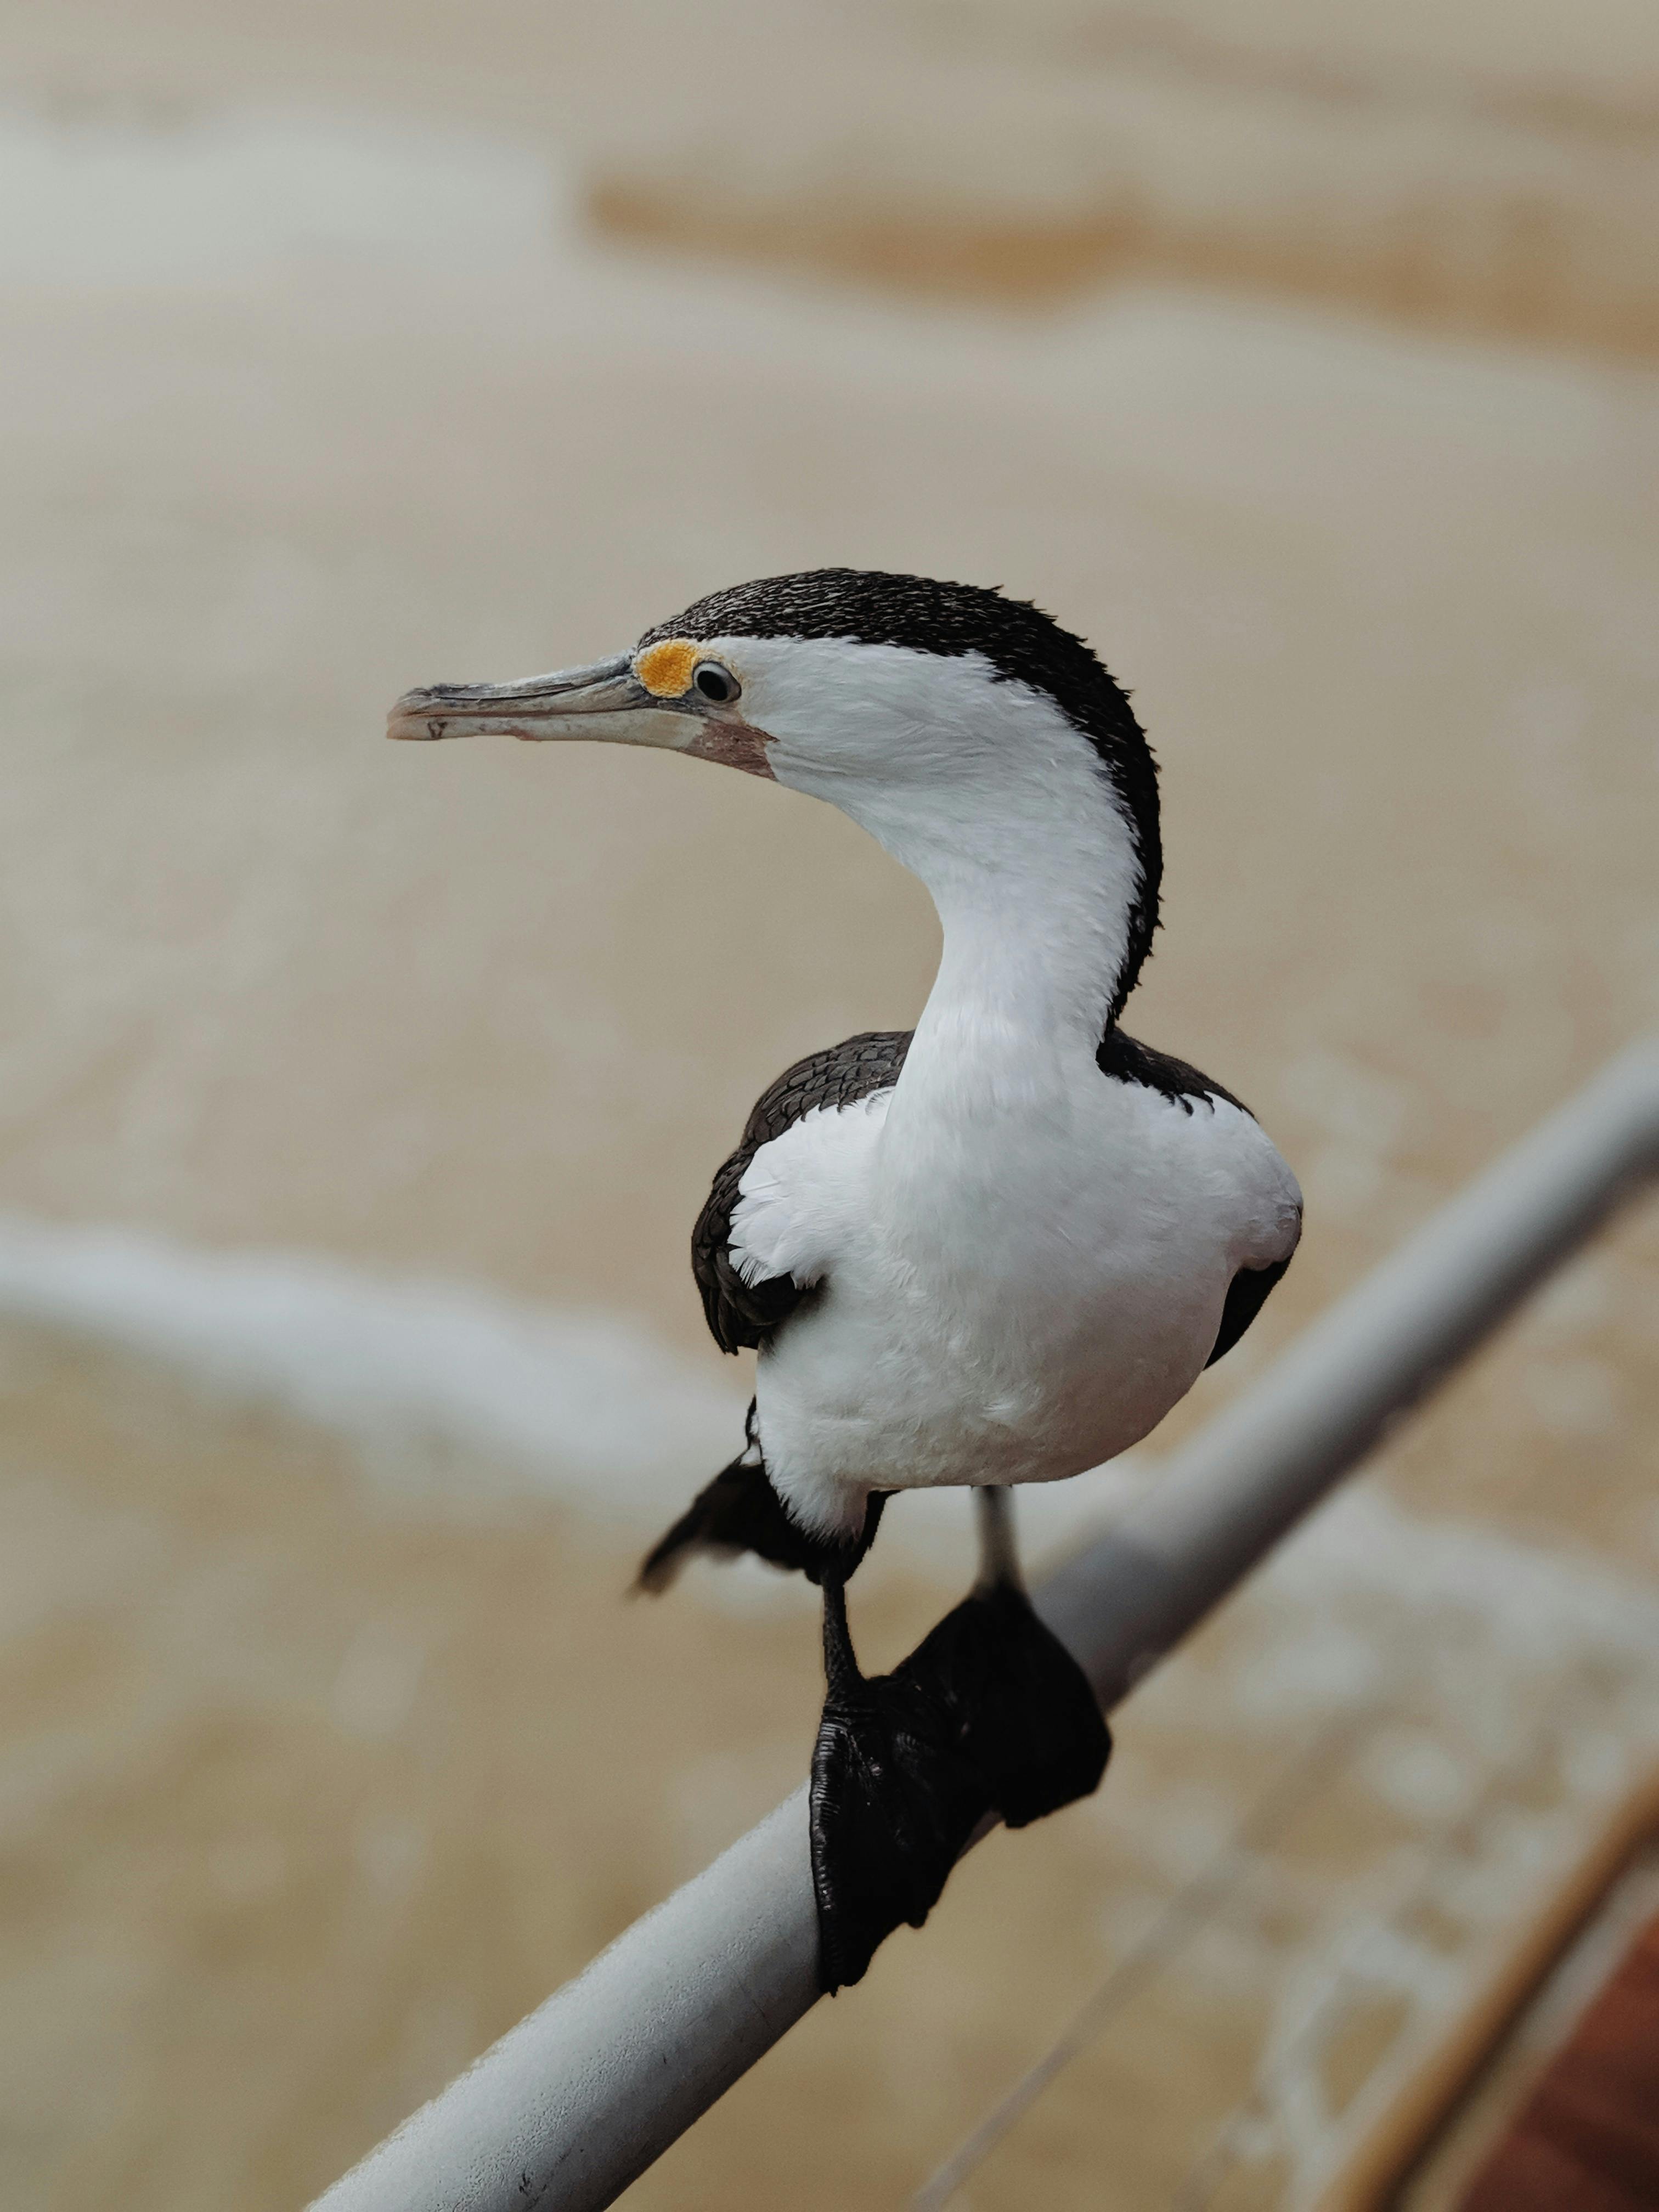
(310, 1794)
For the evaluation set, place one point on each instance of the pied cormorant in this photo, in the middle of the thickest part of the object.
(995, 1249)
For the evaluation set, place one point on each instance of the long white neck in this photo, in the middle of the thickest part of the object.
(1029, 962)
(1034, 892)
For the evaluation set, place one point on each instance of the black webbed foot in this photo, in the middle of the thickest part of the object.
(741, 1511)
(894, 1798)
(1029, 1720)
(989, 1713)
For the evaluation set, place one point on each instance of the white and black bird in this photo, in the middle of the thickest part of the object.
(995, 1250)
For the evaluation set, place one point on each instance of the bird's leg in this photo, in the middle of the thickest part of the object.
(998, 1552)
(989, 1713)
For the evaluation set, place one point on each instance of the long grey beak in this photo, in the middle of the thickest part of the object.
(544, 706)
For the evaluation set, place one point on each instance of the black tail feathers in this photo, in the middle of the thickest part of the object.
(739, 1511)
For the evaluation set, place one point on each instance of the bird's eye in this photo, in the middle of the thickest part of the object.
(714, 682)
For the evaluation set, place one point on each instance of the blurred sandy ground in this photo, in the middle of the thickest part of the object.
(348, 350)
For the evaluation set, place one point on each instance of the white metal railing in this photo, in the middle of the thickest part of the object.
(577, 2100)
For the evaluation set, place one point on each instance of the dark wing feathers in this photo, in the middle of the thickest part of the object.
(742, 1314)
(1247, 1294)
(1128, 1061)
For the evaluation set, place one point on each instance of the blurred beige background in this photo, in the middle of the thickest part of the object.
(357, 1100)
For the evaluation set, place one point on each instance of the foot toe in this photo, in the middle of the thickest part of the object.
(894, 1802)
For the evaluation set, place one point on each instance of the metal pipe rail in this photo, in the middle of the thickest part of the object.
(577, 2100)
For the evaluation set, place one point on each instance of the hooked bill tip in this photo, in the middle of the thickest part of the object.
(420, 713)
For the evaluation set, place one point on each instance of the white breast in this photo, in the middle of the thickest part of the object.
(1008, 1306)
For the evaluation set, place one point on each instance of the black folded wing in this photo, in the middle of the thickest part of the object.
(742, 1314)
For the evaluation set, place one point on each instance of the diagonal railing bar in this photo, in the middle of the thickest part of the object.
(577, 2100)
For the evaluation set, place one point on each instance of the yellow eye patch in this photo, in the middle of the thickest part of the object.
(665, 669)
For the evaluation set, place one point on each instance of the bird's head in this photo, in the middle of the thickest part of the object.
(967, 732)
